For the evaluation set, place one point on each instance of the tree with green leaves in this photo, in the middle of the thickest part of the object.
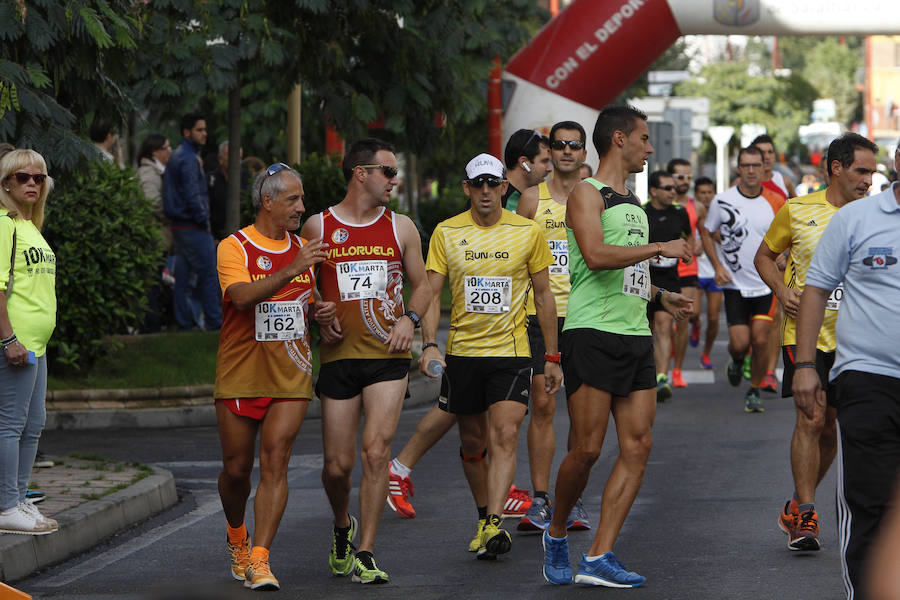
(781, 104)
(60, 61)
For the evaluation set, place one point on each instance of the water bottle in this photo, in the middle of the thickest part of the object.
(434, 368)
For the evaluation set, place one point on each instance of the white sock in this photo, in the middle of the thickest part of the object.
(593, 558)
(399, 469)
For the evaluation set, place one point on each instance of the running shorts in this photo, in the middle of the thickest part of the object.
(471, 384)
(614, 363)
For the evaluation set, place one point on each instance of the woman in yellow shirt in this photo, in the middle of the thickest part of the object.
(27, 319)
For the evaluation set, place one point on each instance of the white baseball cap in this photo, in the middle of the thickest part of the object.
(484, 164)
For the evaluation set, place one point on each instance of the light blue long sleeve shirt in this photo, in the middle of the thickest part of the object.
(861, 247)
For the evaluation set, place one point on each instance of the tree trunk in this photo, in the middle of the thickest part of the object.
(233, 206)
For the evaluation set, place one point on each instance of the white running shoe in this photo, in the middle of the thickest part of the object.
(16, 520)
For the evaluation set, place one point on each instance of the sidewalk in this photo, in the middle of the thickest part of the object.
(92, 498)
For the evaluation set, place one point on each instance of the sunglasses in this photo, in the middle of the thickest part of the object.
(23, 178)
(561, 144)
(271, 170)
(687, 176)
(477, 182)
(668, 188)
(389, 172)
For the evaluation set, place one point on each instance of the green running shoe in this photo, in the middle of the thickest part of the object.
(341, 558)
(366, 571)
(663, 389)
(752, 402)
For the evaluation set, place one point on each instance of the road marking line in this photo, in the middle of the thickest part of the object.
(207, 505)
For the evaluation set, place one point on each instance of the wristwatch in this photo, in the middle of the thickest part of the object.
(658, 297)
(413, 316)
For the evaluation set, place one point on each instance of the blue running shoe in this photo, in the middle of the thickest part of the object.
(557, 569)
(537, 517)
(608, 572)
(578, 518)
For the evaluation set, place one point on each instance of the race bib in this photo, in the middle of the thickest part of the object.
(661, 262)
(279, 321)
(834, 300)
(361, 279)
(560, 251)
(636, 280)
(756, 293)
(488, 294)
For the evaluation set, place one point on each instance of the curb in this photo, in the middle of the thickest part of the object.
(190, 406)
(86, 525)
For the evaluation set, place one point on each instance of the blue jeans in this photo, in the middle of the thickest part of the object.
(195, 255)
(23, 391)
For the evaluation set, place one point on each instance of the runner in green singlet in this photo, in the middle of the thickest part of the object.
(607, 349)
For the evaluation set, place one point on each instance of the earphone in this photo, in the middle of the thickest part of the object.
(526, 167)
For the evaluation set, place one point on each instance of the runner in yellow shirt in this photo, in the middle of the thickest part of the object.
(797, 227)
(491, 258)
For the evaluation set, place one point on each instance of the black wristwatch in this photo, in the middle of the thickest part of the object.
(413, 316)
(658, 297)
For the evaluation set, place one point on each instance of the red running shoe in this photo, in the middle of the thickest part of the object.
(769, 383)
(399, 491)
(805, 536)
(517, 503)
(790, 514)
(695, 336)
(677, 380)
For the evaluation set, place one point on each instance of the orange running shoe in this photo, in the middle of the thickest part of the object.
(259, 576)
(240, 557)
(677, 379)
(399, 491)
(805, 536)
(517, 503)
(789, 516)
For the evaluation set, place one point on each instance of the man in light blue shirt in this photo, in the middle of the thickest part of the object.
(860, 252)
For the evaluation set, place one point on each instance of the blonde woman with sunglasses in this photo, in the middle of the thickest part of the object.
(27, 319)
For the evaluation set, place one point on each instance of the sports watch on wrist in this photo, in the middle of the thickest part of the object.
(413, 316)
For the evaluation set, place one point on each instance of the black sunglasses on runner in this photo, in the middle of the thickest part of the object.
(23, 178)
(477, 182)
(389, 172)
(668, 188)
(271, 170)
(561, 144)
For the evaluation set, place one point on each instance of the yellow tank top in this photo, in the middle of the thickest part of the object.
(551, 219)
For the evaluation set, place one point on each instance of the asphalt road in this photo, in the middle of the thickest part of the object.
(703, 525)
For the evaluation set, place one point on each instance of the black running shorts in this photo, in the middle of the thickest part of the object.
(689, 281)
(471, 384)
(614, 363)
(824, 362)
(342, 379)
(740, 310)
(536, 342)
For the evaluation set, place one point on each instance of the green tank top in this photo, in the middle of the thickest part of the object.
(611, 300)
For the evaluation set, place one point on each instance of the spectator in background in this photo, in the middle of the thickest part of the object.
(153, 154)
(254, 165)
(586, 171)
(105, 139)
(186, 203)
(6, 148)
(217, 181)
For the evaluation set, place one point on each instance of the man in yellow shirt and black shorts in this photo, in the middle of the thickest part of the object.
(797, 227)
(491, 257)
